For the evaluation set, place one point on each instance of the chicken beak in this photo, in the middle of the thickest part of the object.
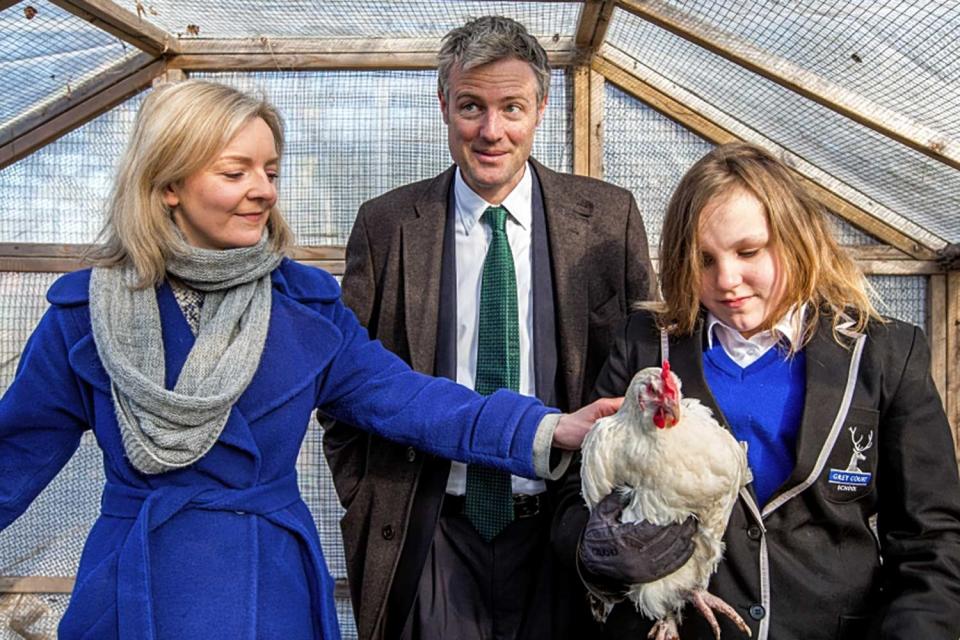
(667, 415)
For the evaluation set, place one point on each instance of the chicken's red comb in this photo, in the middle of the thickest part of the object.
(669, 387)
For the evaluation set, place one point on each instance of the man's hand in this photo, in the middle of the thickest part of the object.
(632, 553)
(574, 427)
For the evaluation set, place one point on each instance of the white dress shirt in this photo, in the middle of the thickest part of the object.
(472, 240)
(746, 351)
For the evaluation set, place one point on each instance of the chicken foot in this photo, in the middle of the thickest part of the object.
(706, 602)
(664, 629)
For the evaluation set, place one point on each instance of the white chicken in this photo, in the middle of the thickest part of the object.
(670, 459)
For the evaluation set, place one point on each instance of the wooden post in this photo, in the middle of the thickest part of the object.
(587, 122)
(937, 331)
(953, 356)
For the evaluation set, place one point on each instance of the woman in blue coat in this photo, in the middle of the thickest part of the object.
(196, 352)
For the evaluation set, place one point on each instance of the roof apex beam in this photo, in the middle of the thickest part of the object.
(847, 103)
(324, 53)
(592, 28)
(129, 27)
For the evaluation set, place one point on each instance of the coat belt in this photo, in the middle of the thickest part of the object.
(151, 509)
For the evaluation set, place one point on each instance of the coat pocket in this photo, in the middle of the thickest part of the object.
(853, 628)
(850, 470)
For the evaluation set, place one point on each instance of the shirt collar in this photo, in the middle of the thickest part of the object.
(470, 206)
(787, 329)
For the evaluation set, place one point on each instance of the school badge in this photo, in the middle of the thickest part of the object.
(853, 476)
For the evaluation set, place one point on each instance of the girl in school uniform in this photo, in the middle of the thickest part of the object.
(851, 526)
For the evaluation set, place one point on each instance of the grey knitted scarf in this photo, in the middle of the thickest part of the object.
(161, 429)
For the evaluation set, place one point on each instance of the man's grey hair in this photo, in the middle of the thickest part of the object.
(490, 39)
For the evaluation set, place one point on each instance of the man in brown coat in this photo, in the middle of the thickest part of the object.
(417, 566)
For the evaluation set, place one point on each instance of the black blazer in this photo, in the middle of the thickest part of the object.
(808, 563)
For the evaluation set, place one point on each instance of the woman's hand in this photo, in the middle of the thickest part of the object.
(574, 427)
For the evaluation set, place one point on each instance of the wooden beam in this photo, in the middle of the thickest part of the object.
(72, 96)
(953, 357)
(170, 76)
(79, 114)
(6, 4)
(839, 198)
(592, 27)
(311, 53)
(587, 122)
(892, 124)
(305, 61)
(937, 330)
(64, 584)
(581, 120)
(122, 23)
(63, 258)
(596, 124)
(36, 584)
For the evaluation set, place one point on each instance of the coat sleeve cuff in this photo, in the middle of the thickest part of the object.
(549, 463)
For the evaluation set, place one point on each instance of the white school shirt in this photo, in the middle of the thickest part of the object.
(472, 240)
(746, 351)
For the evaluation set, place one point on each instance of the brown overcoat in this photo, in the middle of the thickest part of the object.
(600, 265)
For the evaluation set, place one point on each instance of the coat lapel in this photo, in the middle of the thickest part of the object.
(421, 258)
(568, 223)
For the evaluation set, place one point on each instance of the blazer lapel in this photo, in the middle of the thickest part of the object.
(421, 259)
(686, 360)
(828, 369)
(568, 223)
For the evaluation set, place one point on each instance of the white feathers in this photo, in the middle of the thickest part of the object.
(694, 467)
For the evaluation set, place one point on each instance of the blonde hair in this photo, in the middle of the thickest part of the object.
(180, 129)
(815, 270)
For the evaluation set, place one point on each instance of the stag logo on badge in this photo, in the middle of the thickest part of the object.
(853, 477)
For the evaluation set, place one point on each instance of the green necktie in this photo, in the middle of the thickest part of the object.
(489, 501)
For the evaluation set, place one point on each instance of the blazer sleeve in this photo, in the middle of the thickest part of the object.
(42, 417)
(919, 512)
(344, 446)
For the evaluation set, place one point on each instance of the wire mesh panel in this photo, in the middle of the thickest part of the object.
(902, 297)
(647, 153)
(46, 53)
(847, 234)
(350, 19)
(22, 303)
(58, 193)
(48, 538)
(901, 54)
(352, 136)
(316, 486)
(897, 177)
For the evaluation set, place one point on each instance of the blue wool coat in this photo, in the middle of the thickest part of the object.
(226, 548)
